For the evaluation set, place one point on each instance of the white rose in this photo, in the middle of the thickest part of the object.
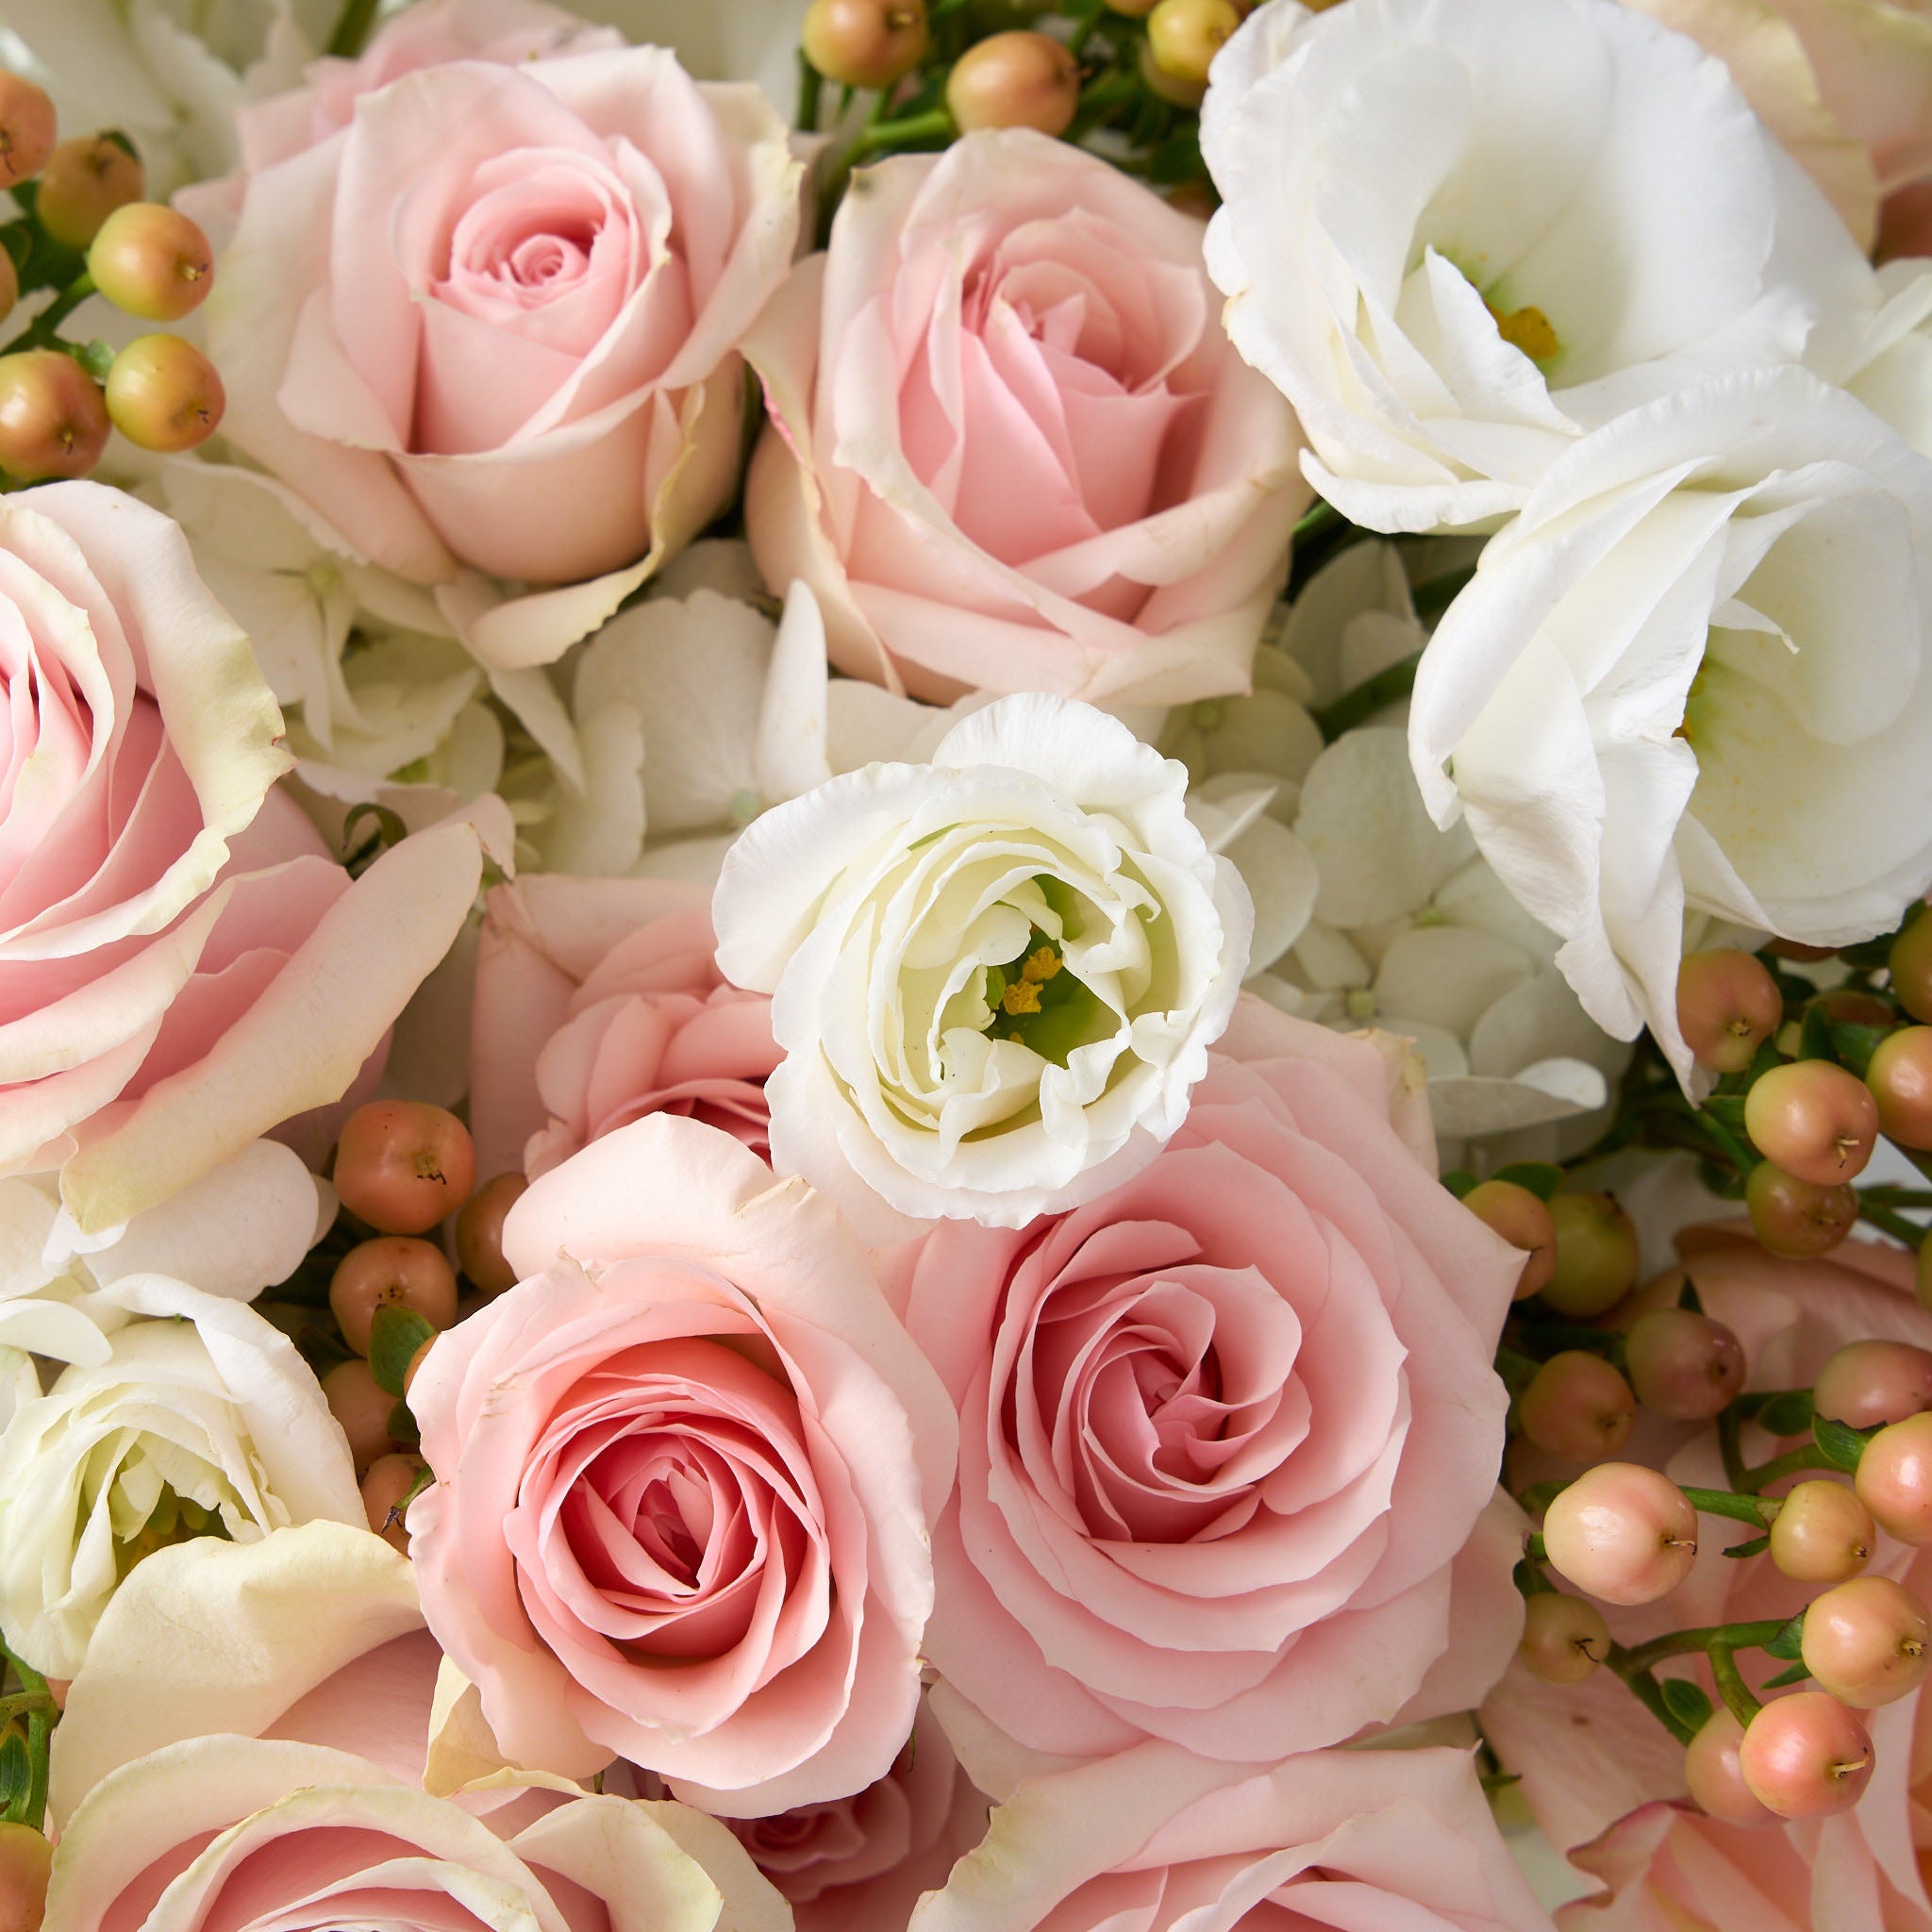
(200, 1419)
(996, 977)
(1691, 675)
(1458, 234)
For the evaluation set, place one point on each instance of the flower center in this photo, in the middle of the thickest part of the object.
(1035, 1001)
(1527, 328)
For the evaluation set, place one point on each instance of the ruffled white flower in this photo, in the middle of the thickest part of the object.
(1460, 233)
(1692, 676)
(199, 1418)
(996, 976)
(1889, 367)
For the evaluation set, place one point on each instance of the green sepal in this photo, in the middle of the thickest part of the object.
(395, 1337)
(1796, 1674)
(1788, 1642)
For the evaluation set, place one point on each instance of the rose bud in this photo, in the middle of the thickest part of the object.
(1597, 1254)
(1711, 1771)
(1728, 1006)
(1910, 965)
(27, 1859)
(362, 1409)
(1016, 79)
(402, 1165)
(390, 1479)
(1806, 1756)
(1865, 1642)
(164, 395)
(1622, 1532)
(393, 1272)
(27, 129)
(1523, 1221)
(872, 43)
(1866, 1383)
(85, 180)
(1900, 1077)
(53, 422)
(1577, 1406)
(1814, 1120)
(1683, 1365)
(1564, 1638)
(152, 262)
(1822, 1533)
(1894, 1480)
(1184, 36)
(479, 1234)
(1798, 1219)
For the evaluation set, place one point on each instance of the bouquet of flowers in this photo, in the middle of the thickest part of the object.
(962, 966)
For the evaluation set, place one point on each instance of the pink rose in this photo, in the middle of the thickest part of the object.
(858, 1864)
(165, 913)
(599, 1000)
(685, 1472)
(1224, 1431)
(1012, 447)
(493, 322)
(1155, 1840)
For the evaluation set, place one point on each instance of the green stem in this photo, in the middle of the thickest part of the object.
(1359, 706)
(810, 88)
(1790, 1464)
(32, 1809)
(1087, 19)
(22, 1704)
(39, 334)
(1318, 518)
(1724, 1503)
(352, 28)
(1731, 1687)
(1894, 1225)
(1649, 1693)
(1685, 1642)
(936, 124)
(1898, 1197)
(1730, 1442)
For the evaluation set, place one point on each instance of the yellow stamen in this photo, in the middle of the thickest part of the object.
(1023, 996)
(1041, 965)
(1528, 329)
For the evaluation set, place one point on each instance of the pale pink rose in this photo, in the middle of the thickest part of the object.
(492, 321)
(1012, 448)
(599, 1000)
(858, 1864)
(1225, 1430)
(686, 1470)
(164, 911)
(1155, 1840)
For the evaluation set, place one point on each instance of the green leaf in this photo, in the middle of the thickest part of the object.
(16, 1776)
(1796, 1674)
(1542, 1177)
(1459, 1180)
(1854, 1042)
(1787, 1412)
(1841, 1444)
(395, 1337)
(402, 1424)
(1788, 1642)
(1685, 1701)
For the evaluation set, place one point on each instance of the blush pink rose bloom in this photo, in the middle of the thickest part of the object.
(1010, 447)
(599, 1000)
(493, 322)
(1157, 1840)
(1225, 1430)
(165, 911)
(685, 1472)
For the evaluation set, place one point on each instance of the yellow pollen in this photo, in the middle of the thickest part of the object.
(1023, 996)
(1041, 965)
(1528, 329)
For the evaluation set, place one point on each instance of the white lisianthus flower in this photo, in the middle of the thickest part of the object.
(994, 977)
(201, 1419)
(1692, 676)
(1460, 233)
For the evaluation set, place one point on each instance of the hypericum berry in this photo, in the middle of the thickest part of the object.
(1798, 1219)
(1866, 1383)
(1683, 1365)
(1622, 1532)
(164, 395)
(1894, 1480)
(1597, 1254)
(872, 43)
(1564, 1638)
(1185, 35)
(26, 1861)
(1822, 1533)
(1577, 1405)
(1865, 1642)
(28, 129)
(402, 1165)
(390, 1479)
(1814, 1120)
(1015, 80)
(1910, 965)
(1728, 1006)
(151, 262)
(53, 422)
(362, 1409)
(1806, 1756)
(393, 1272)
(1900, 1077)
(85, 180)
(1711, 1771)
(479, 1234)
(1523, 1221)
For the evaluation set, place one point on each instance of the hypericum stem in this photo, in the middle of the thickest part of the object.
(1790, 1463)
(39, 334)
(1649, 1693)
(1728, 1636)
(810, 88)
(1315, 520)
(1893, 1224)
(934, 126)
(1730, 1444)
(1746, 1509)
(1731, 1687)
(31, 1808)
